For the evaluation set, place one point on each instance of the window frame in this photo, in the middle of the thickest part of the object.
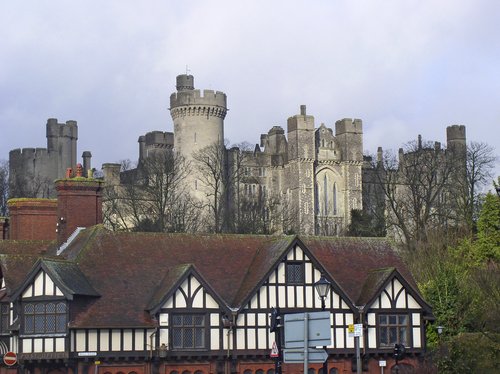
(45, 320)
(384, 329)
(205, 331)
(4, 319)
(295, 281)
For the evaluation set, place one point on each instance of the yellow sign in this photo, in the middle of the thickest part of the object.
(97, 362)
(350, 329)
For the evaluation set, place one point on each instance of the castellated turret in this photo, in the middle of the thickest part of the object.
(33, 170)
(198, 118)
(349, 137)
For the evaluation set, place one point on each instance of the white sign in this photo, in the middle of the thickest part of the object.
(274, 350)
(382, 363)
(296, 355)
(358, 329)
(86, 354)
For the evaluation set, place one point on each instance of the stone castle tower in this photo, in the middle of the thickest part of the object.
(198, 118)
(33, 170)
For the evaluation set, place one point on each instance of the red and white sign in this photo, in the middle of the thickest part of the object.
(274, 350)
(10, 358)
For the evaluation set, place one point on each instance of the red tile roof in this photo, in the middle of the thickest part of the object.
(131, 271)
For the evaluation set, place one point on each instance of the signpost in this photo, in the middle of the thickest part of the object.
(314, 355)
(305, 331)
(10, 358)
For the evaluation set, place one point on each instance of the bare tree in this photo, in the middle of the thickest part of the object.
(4, 187)
(152, 197)
(416, 189)
(480, 162)
(210, 163)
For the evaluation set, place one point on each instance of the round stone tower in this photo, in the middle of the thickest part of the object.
(198, 118)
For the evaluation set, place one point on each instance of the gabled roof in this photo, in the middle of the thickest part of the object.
(349, 261)
(134, 273)
(378, 280)
(374, 284)
(65, 275)
(174, 277)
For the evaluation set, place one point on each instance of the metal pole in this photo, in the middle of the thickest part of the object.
(325, 364)
(358, 355)
(306, 342)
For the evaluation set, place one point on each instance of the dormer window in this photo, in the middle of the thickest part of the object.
(188, 331)
(45, 317)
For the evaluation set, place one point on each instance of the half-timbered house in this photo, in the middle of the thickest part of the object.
(145, 303)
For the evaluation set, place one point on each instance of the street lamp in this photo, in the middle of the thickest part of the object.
(323, 288)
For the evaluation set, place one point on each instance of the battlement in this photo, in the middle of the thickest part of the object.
(56, 129)
(198, 97)
(300, 121)
(159, 138)
(27, 153)
(348, 125)
(455, 132)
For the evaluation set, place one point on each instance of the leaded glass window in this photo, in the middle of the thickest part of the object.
(295, 273)
(45, 317)
(393, 329)
(4, 318)
(188, 331)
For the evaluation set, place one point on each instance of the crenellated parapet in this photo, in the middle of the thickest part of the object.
(198, 111)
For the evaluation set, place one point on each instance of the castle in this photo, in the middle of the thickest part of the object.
(32, 171)
(310, 178)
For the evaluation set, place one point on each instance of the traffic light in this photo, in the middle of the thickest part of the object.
(399, 351)
(275, 320)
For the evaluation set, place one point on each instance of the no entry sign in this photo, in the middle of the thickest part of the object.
(10, 358)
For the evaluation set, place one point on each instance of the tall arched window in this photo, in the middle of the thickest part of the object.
(316, 200)
(335, 199)
(325, 192)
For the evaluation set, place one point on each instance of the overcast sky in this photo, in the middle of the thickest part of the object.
(403, 67)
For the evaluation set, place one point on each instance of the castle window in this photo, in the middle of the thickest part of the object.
(45, 318)
(247, 171)
(325, 189)
(393, 329)
(335, 199)
(262, 172)
(4, 319)
(196, 184)
(188, 331)
(195, 137)
(294, 272)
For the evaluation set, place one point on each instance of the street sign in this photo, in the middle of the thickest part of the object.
(319, 329)
(274, 351)
(382, 363)
(295, 355)
(350, 330)
(358, 329)
(10, 358)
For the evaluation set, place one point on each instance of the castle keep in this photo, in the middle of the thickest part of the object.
(33, 170)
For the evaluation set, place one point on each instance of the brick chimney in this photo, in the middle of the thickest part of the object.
(32, 219)
(79, 204)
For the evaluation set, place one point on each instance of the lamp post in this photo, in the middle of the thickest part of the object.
(323, 288)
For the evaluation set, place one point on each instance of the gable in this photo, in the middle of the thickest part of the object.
(395, 296)
(280, 290)
(41, 285)
(191, 294)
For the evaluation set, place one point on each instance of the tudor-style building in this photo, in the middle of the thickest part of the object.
(165, 303)
(102, 302)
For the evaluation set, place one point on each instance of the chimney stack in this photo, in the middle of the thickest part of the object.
(32, 219)
(79, 204)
